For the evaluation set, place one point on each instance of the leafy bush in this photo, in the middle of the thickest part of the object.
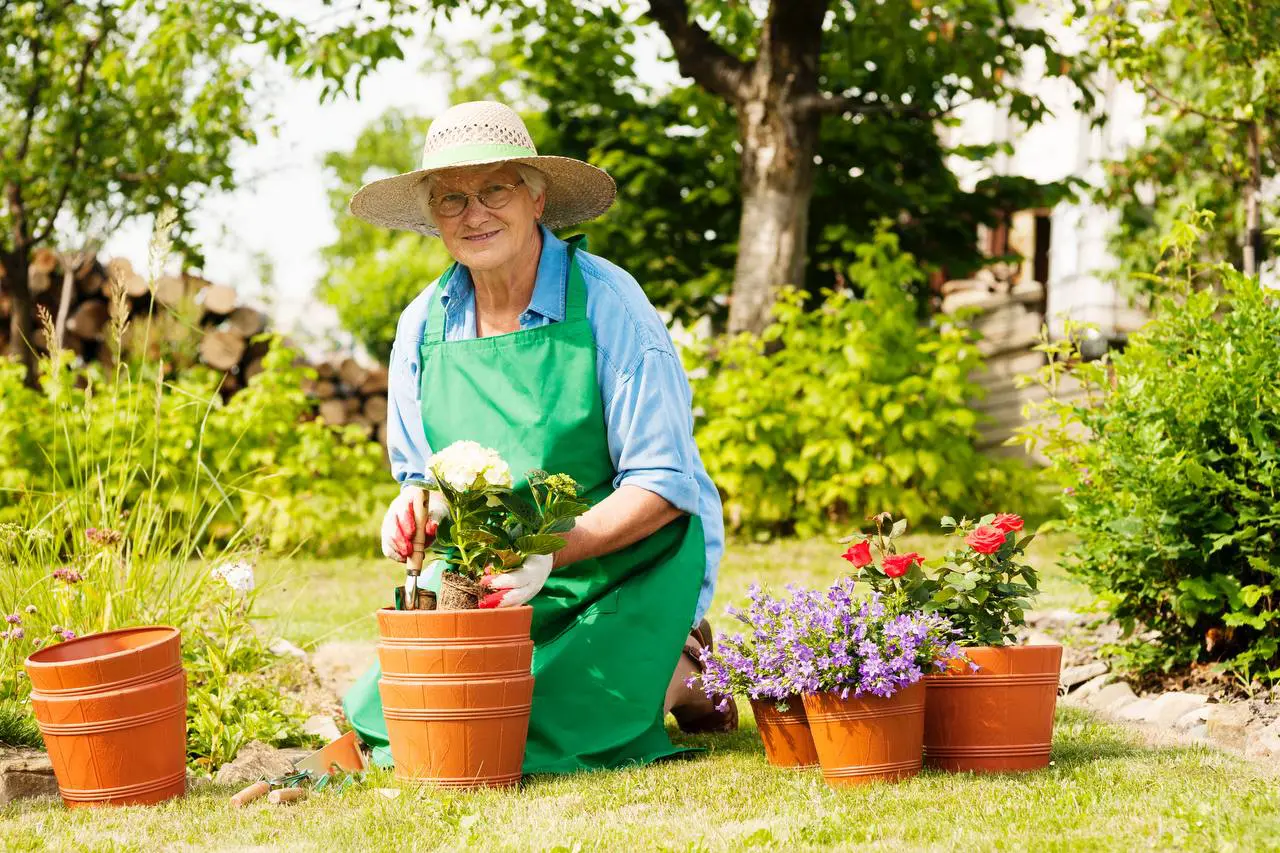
(105, 579)
(132, 440)
(232, 691)
(120, 487)
(846, 409)
(1171, 468)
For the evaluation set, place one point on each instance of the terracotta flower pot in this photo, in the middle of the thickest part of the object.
(786, 737)
(456, 693)
(999, 718)
(867, 739)
(112, 709)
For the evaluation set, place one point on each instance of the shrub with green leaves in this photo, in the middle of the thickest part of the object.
(1171, 468)
(109, 442)
(846, 408)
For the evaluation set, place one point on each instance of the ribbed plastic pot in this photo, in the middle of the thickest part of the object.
(997, 719)
(867, 739)
(785, 734)
(112, 709)
(456, 693)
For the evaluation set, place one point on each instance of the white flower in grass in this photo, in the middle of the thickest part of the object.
(238, 575)
(464, 465)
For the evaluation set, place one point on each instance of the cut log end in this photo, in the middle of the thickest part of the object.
(221, 350)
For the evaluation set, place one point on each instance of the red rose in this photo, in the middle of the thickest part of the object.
(986, 539)
(1007, 521)
(860, 554)
(897, 565)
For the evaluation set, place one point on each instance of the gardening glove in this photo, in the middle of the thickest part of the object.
(511, 589)
(399, 523)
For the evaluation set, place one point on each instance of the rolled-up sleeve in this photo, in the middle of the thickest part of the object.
(649, 420)
(407, 447)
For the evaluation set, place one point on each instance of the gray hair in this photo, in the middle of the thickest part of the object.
(535, 180)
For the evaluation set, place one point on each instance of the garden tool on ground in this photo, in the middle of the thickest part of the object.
(319, 770)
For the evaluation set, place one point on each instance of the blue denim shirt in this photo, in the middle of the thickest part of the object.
(648, 405)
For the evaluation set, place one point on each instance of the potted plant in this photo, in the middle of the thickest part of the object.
(860, 665)
(456, 685)
(994, 710)
(756, 666)
(492, 528)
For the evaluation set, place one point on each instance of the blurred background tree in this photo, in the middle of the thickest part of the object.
(702, 220)
(1210, 72)
(116, 108)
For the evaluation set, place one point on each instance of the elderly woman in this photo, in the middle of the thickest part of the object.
(554, 357)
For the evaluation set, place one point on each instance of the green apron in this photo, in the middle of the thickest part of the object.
(608, 631)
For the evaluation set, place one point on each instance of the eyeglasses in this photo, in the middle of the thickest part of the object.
(494, 197)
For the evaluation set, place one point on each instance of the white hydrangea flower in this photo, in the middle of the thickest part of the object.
(462, 464)
(238, 575)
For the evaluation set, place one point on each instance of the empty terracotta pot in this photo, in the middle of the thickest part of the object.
(867, 739)
(785, 734)
(456, 693)
(112, 709)
(999, 718)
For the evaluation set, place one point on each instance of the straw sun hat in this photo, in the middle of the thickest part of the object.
(483, 133)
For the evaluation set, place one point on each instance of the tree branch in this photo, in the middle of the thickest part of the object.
(1186, 108)
(697, 54)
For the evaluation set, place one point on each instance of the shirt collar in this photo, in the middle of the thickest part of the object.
(548, 287)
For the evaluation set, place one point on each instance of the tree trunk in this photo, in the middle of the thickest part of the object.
(1252, 192)
(777, 187)
(22, 319)
(778, 130)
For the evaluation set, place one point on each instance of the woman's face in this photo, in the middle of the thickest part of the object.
(481, 238)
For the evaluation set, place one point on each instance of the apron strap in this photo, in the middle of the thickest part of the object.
(576, 296)
(435, 311)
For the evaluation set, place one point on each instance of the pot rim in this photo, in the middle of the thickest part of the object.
(34, 659)
(1016, 646)
(475, 610)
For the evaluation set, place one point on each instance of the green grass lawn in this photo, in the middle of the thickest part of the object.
(1103, 792)
(310, 602)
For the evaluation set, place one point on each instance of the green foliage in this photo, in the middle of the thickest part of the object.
(140, 573)
(120, 108)
(233, 689)
(169, 454)
(674, 153)
(372, 273)
(1171, 470)
(985, 595)
(494, 528)
(840, 411)
(1210, 73)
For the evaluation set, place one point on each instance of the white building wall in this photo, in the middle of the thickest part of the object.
(1064, 145)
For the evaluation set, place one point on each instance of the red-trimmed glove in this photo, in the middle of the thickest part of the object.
(511, 589)
(399, 522)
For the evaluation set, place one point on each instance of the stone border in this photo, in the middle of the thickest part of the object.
(1249, 728)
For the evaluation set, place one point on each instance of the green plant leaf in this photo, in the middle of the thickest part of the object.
(539, 544)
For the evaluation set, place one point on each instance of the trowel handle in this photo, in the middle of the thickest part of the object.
(249, 794)
(420, 519)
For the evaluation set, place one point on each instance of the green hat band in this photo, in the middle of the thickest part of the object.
(472, 153)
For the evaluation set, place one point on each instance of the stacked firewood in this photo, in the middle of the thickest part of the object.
(184, 320)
